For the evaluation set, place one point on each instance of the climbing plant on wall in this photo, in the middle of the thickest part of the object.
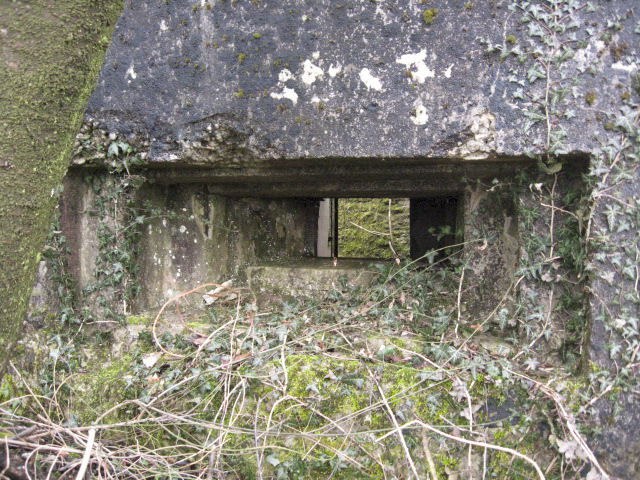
(582, 248)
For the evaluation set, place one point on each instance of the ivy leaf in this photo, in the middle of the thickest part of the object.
(534, 73)
(531, 363)
(557, 95)
(537, 52)
(626, 120)
(555, 168)
(574, 24)
(313, 387)
(623, 175)
(612, 212)
(535, 11)
(630, 272)
(125, 147)
(608, 277)
(514, 79)
(113, 150)
(535, 30)
(518, 94)
(535, 116)
(616, 260)
(624, 226)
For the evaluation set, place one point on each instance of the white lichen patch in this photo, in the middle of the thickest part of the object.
(626, 68)
(369, 80)
(585, 57)
(447, 72)
(419, 116)
(285, 75)
(131, 73)
(288, 93)
(420, 70)
(310, 72)
(483, 142)
(333, 71)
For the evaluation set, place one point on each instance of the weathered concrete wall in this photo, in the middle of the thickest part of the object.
(226, 82)
(190, 237)
(614, 303)
(306, 277)
(491, 230)
(186, 245)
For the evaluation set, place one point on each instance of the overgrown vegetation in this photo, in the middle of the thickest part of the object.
(372, 381)
(602, 212)
(119, 221)
(53, 54)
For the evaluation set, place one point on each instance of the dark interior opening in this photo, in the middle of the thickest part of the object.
(433, 225)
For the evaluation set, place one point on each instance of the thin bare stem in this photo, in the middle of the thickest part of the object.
(468, 442)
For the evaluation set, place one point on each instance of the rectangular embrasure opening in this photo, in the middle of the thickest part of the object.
(387, 228)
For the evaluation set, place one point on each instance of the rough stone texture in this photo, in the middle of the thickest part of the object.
(182, 252)
(231, 83)
(490, 227)
(80, 227)
(43, 301)
(618, 444)
(614, 309)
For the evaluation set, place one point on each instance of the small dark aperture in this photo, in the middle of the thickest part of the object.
(432, 224)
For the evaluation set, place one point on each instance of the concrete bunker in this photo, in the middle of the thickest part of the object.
(249, 112)
(262, 225)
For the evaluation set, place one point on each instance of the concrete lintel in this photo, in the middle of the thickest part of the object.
(349, 178)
